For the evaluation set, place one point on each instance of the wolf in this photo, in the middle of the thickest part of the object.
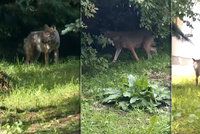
(196, 65)
(32, 44)
(54, 43)
(42, 41)
(131, 41)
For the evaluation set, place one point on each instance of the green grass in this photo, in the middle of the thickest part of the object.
(185, 106)
(44, 99)
(101, 119)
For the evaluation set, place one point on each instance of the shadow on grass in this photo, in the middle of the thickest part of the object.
(67, 125)
(47, 77)
(29, 116)
(63, 118)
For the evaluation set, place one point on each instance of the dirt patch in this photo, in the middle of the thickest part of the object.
(60, 123)
(163, 78)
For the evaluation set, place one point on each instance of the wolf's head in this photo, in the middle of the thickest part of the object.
(196, 63)
(51, 34)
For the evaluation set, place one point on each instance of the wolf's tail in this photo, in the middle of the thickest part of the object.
(178, 33)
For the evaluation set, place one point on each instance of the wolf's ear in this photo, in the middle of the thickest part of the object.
(193, 59)
(54, 27)
(46, 27)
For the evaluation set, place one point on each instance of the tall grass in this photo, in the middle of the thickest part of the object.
(185, 106)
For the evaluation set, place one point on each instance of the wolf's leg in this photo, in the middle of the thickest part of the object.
(134, 53)
(148, 47)
(46, 57)
(29, 53)
(56, 55)
(27, 58)
(26, 51)
(196, 81)
(117, 52)
(154, 50)
(197, 76)
(36, 55)
(148, 52)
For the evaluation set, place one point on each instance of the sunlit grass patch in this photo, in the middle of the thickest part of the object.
(30, 98)
(112, 121)
(185, 105)
(177, 80)
(42, 98)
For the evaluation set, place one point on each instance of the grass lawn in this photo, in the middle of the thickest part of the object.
(185, 106)
(100, 119)
(44, 99)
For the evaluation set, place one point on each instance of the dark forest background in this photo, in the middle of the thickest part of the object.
(113, 15)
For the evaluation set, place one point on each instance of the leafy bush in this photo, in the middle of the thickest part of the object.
(151, 16)
(73, 27)
(138, 93)
(88, 8)
(90, 61)
(156, 15)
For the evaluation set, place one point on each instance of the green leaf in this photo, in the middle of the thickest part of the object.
(127, 94)
(110, 91)
(133, 100)
(142, 83)
(131, 80)
(146, 96)
(111, 98)
(124, 105)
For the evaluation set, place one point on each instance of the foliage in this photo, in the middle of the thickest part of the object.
(138, 93)
(183, 9)
(73, 27)
(90, 61)
(88, 9)
(155, 15)
(34, 14)
(88, 40)
(116, 74)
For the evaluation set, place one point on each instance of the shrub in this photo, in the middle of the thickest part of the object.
(90, 60)
(138, 93)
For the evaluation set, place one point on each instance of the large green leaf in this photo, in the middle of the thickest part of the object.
(111, 98)
(131, 80)
(127, 94)
(133, 100)
(141, 95)
(123, 105)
